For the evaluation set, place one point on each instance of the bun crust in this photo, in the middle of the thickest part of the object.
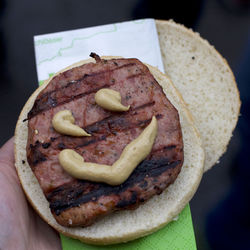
(123, 225)
(206, 82)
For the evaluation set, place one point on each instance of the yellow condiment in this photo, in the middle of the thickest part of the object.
(110, 99)
(63, 122)
(132, 155)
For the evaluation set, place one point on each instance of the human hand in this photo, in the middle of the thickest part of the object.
(21, 227)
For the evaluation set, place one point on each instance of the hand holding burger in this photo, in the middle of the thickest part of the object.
(21, 227)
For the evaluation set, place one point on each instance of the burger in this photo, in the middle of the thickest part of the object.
(162, 182)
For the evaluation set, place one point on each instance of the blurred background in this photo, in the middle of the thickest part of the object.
(221, 205)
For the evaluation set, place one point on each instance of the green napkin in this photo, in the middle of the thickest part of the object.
(177, 235)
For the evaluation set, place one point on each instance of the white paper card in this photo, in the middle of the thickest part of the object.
(136, 39)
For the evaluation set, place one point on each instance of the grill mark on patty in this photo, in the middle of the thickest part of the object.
(92, 141)
(69, 197)
(49, 102)
(122, 126)
(68, 84)
(36, 156)
(117, 122)
(123, 203)
(52, 103)
(94, 126)
(135, 75)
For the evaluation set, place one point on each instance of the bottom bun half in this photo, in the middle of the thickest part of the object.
(127, 225)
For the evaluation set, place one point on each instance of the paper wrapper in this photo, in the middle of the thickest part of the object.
(136, 39)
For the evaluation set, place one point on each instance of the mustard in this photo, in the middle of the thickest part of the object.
(110, 99)
(135, 152)
(63, 122)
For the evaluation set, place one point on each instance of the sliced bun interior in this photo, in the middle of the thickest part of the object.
(123, 226)
(206, 83)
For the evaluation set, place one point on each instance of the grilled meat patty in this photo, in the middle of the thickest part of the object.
(76, 202)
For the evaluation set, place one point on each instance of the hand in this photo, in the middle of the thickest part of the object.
(21, 227)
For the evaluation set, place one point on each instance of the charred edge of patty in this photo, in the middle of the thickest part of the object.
(34, 155)
(70, 195)
(86, 214)
(95, 56)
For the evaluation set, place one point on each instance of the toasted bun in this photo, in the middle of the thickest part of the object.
(122, 226)
(206, 83)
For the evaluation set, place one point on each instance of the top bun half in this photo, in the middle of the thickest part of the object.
(206, 82)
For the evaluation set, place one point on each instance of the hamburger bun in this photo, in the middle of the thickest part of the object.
(206, 83)
(127, 225)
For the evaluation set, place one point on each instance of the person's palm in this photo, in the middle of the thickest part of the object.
(21, 227)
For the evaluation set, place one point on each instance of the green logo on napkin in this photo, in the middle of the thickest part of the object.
(48, 41)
